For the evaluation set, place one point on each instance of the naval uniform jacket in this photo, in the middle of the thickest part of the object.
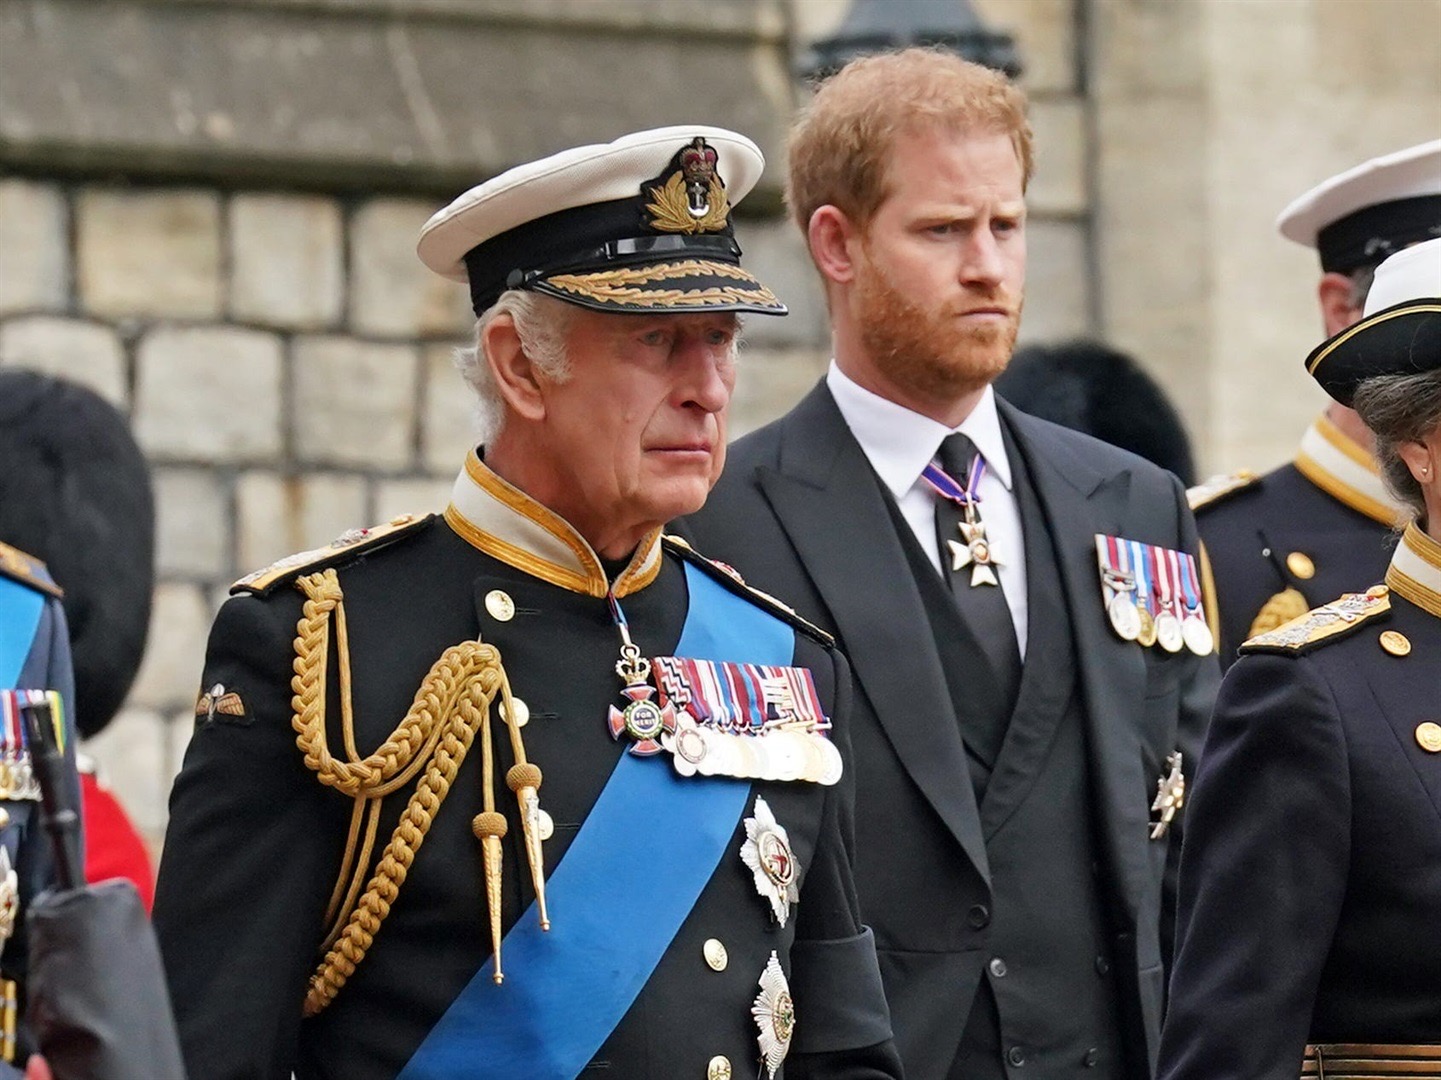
(1320, 525)
(800, 512)
(254, 843)
(34, 655)
(1311, 880)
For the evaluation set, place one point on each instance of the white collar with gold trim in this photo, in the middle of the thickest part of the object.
(1415, 570)
(1342, 468)
(507, 524)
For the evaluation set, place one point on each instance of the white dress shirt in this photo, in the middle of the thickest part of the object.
(900, 444)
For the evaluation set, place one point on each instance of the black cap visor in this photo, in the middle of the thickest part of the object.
(1404, 339)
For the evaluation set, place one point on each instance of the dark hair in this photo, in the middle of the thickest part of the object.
(1101, 391)
(75, 492)
(1400, 409)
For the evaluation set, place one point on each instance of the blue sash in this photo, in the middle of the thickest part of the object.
(614, 910)
(20, 611)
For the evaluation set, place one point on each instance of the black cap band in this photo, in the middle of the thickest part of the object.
(1373, 233)
(583, 237)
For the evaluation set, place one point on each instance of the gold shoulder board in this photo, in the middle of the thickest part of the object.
(27, 570)
(731, 579)
(345, 546)
(1220, 488)
(1329, 622)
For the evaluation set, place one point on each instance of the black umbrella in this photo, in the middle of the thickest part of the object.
(97, 1000)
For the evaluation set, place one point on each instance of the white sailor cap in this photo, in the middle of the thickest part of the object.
(1367, 213)
(641, 224)
(1400, 333)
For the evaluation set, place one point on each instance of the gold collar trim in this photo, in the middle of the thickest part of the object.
(507, 524)
(1342, 468)
(1415, 570)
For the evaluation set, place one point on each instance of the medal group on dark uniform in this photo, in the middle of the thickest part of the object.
(678, 802)
(34, 668)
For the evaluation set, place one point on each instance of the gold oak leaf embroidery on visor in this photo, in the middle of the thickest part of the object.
(621, 286)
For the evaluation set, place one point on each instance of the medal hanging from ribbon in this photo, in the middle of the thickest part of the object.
(976, 552)
(1194, 628)
(1118, 587)
(1168, 619)
(1136, 552)
(17, 777)
(640, 718)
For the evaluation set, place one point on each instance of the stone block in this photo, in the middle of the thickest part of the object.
(287, 267)
(148, 253)
(1058, 301)
(34, 253)
(175, 651)
(412, 496)
(1059, 184)
(280, 515)
(192, 523)
(209, 394)
(775, 252)
(392, 293)
(83, 352)
(448, 421)
(373, 93)
(131, 756)
(355, 402)
(769, 382)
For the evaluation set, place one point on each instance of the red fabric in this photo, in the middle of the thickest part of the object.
(113, 846)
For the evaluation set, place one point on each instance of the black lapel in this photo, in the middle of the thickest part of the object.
(830, 504)
(1079, 501)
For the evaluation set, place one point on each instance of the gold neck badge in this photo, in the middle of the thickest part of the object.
(507, 524)
(1342, 468)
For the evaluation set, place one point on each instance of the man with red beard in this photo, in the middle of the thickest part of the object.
(1019, 601)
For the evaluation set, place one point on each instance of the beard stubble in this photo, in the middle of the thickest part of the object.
(933, 354)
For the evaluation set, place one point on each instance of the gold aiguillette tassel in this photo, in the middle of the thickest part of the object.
(524, 779)
(489, 827)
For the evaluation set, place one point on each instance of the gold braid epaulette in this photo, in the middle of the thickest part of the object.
(450, 707)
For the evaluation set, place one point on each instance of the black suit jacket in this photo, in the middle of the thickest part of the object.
(1311, 886)
(801, 514)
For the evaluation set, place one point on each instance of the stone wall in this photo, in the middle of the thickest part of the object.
(208, 211)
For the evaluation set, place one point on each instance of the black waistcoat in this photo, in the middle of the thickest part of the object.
(1046, 1006)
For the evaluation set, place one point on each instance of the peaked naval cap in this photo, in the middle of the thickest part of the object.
(1366, 214)
(1400, 333)
(641, 224)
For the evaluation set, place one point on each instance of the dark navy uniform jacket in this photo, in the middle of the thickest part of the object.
(1311, 875)
(255, 841)
(1319, 526)
(34, 655)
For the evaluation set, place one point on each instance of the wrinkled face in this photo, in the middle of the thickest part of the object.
(941, 267)
(636, 433)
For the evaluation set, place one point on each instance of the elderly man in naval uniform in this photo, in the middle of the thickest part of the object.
(528, 788)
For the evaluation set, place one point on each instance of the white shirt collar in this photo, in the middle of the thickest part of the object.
(901, 443)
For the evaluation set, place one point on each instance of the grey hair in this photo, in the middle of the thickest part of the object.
(1361, 281)
(1400, 409)
(543, 324)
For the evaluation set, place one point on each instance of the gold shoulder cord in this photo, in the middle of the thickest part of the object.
(451, 706)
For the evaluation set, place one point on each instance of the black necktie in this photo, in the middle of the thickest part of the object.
(983, 607)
